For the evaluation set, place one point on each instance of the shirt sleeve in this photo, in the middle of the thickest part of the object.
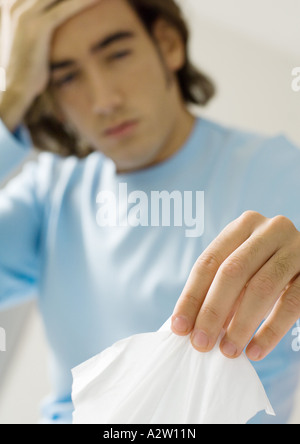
(14, 148)
(20, 220)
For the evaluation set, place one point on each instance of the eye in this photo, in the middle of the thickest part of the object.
(119, 55)
(65, 80)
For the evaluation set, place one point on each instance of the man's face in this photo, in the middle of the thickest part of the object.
(123, 79)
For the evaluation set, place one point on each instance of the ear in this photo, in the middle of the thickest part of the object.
(170, 43)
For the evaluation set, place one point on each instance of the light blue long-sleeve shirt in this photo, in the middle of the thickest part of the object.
(95, 285)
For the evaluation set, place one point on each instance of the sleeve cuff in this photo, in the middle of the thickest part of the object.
(23, 136)
(14, 148)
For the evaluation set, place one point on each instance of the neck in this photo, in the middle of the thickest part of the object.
(178, 136)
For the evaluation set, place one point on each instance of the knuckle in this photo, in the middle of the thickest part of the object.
(209, 261)
(262, 286)
(232, 269)
(250, 216)
(210, 313)
(282, 223)
(192, 301)
(292, 301)
(271, 334)
(282, 267)
(240, 331)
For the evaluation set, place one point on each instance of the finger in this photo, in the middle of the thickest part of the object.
(234, 309)
(263, 291)
(39, 5)
(282, 318)
(14, 4)
(60, 11)
(23, 5)
(19, 8)
(205, 269)
(52, 4)
(227, 287)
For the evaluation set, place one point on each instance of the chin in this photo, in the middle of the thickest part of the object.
(134, 165)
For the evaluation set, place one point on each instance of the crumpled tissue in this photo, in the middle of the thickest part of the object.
(159, 378)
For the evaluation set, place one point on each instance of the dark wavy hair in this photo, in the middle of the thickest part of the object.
(50, 134)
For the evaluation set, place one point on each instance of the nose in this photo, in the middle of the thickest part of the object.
(105, 98)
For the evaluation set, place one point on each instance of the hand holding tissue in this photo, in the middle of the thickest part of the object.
(159, 378)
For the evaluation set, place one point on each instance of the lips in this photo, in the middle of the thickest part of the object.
(119, 128)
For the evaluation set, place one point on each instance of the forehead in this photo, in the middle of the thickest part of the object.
(89, 25)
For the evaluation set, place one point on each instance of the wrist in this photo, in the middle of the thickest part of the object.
(10, 116)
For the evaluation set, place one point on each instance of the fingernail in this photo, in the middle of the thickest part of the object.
(229, 349)
(254, 352)
(200, 340)
(180, 324)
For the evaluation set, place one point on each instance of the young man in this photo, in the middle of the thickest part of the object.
(111, 79)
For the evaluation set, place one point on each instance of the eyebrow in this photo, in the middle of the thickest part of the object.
(100, 46)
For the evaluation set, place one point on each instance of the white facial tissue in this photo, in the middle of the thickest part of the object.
(159, 378)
